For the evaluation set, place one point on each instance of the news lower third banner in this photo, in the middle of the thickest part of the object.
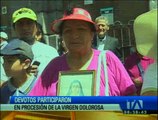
(129, 105)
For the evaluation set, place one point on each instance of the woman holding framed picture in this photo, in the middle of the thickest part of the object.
(77, 31)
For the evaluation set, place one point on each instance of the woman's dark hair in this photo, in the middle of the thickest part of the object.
(61, 49)
(40, 31)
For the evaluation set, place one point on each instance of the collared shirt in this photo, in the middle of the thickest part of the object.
(100, 43)
(26, 87)
(85, 66)
(9, 90)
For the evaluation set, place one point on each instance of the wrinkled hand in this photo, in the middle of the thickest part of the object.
(34, 69)
(138, 81)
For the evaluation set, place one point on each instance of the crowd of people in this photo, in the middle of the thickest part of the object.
(31, 67)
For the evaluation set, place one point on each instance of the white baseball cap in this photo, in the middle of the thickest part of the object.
(3, 35)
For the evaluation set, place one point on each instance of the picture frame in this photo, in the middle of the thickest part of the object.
(76, 83)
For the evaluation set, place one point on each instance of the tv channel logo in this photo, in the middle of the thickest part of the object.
(134, 104)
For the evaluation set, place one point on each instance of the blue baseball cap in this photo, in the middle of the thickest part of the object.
(17, 47)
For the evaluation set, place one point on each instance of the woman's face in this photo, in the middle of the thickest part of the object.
(77, 35)
(75, 88)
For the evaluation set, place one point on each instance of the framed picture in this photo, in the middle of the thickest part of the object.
(76, 83)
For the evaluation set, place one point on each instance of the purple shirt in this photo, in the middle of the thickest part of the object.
(120, 83)
(133, 70)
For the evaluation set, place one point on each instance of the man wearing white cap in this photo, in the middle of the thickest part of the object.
(145, 29)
